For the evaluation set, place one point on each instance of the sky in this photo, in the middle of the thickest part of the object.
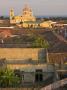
(39, 7)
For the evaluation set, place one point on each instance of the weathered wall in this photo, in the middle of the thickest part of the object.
(20, 53)
(57, 57)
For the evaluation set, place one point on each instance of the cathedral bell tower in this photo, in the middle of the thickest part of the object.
(11, 14)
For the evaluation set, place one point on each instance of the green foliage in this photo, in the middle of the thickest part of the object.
(40, 43)
(8, 79)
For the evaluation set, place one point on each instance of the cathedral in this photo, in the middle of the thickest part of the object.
(27, 19)
(27, 15)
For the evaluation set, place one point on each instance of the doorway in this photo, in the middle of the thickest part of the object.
(39, 75)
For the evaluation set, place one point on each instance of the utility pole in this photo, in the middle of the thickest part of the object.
(47, 56)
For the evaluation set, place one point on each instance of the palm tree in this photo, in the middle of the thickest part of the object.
(8, 79)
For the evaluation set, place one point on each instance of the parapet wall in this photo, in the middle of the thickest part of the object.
(21, 53)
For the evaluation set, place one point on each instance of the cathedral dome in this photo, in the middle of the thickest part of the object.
(27, 8)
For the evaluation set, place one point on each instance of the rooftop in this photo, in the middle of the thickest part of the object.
(56, 45)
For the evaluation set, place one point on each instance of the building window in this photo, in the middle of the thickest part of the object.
(22, 77)
(38, 75)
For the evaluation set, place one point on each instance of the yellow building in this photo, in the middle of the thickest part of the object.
(46, 24)
(27, 15)
(27, 19)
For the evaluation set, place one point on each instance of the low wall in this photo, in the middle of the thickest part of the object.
(21, 53)
(17, 89)
(56, 85)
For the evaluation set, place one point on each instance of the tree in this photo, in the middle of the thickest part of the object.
(8, 79)
(40, 42)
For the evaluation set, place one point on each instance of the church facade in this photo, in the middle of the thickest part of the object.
(27, 19)
(27, 15)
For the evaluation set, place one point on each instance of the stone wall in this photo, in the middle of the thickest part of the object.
(31, 68)
(21, 53)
